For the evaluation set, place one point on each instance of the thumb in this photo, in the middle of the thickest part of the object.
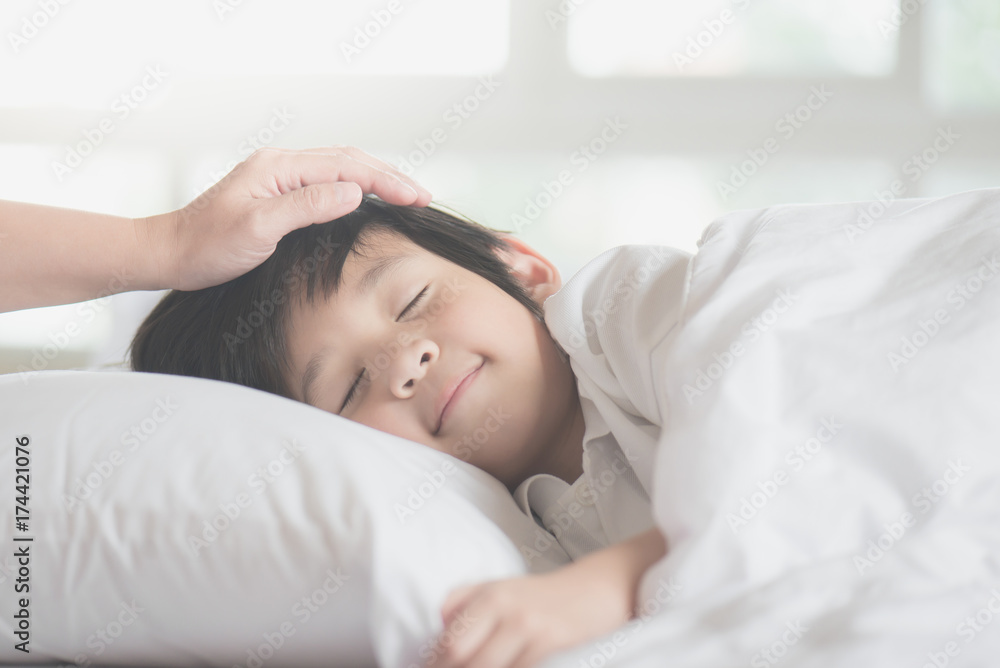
(318, 203)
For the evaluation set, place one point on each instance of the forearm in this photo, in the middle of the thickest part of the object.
(619, 569)
(52, 256)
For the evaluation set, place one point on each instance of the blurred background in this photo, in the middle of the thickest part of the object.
(578, 124)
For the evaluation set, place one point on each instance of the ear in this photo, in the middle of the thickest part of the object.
(531, 269)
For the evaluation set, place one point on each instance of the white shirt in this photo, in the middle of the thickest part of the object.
(609, 318)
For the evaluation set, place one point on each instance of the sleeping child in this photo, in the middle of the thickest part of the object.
(429, 327)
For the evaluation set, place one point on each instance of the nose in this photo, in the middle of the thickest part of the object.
(410, 367)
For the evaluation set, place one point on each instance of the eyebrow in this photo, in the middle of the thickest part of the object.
(370, 280)
(376, 273)
(312, 372)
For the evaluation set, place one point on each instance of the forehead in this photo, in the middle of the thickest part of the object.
(375, 257)
(373, 248)
(374, 244)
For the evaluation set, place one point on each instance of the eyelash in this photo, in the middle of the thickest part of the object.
(361, 376)
(416, 302)
(354, 387)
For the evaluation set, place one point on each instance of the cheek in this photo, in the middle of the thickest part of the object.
(381, 418)
(489, 315)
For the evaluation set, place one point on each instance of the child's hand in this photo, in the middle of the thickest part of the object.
(236, 224)
(516, 623)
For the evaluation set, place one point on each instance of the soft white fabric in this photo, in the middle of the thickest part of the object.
(607, 318)
(128, 471)
(828, 476)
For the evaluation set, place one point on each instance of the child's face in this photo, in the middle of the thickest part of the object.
(517, 401)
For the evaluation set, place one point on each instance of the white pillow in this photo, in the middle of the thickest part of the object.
(185, 521)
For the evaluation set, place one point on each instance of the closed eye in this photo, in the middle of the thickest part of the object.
(416, 301)
(354, 388)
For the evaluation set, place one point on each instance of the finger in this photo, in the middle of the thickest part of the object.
(388, 183)
(462, 638)
(530, 656)
(318, 203)
(345, 168)
(369, 159)
(501, 650)
(355, 153)
(275, 172)
(455, 601)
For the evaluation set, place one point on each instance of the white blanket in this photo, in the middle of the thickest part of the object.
(828, 476)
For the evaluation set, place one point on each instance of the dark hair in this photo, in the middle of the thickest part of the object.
(236, 331)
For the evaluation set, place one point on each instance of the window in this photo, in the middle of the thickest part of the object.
(742, 37)
(963, 55)
(572, 124)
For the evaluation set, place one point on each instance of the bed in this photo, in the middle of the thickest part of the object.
(828, 480)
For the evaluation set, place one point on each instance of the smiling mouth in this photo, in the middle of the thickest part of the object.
(454, 392)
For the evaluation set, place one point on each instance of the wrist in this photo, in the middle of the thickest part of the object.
(153, 258)
(619, 569)
(609, 586)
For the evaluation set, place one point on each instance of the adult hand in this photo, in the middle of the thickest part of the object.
(236, 224)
